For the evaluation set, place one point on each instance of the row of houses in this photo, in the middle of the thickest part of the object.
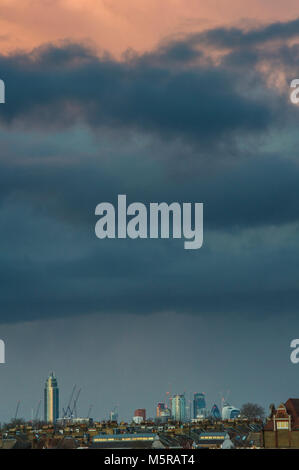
(280, 430)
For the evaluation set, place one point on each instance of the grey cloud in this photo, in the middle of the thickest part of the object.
(237, 38)
(62, 85)
(166, 130)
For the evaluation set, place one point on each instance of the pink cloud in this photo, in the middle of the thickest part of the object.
(117, 25)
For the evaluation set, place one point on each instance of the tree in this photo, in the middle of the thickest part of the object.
(252, 411)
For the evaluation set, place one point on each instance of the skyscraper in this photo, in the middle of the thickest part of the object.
(159, 409)
(199, 405)
(215, 412)
(51, 399)
(230, 412)
(178, 408)
(113, 415)
(141, 412)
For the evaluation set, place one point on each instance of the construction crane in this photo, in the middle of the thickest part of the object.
(37, 411)
(167, 400)
(67, 412)
(74, 409)
(17, 410)
(224, 397)
(89, 411)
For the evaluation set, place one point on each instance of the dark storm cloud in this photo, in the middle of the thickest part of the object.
(258, 192)
(58, 86)
(238, 38)
(175, 91)
(150, 117)
(53, 265)
(57, 274)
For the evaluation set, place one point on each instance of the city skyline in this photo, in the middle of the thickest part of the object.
(107, 388)
(180, 408)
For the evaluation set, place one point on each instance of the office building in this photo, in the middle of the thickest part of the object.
(230, 412)
(113, 416)
(51, 399)
(178, 408)
(215, 412)
(199, 406)
(159, 409)
(140, 413)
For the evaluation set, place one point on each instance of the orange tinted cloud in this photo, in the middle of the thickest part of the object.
(116, 25)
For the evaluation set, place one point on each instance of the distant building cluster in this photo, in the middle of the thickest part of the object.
(179, 411)
(179, 423)
(175, 410)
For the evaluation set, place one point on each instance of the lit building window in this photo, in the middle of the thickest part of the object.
(282, 425)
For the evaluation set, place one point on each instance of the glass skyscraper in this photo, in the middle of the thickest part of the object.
(230, 412)
(178, 408)
(51, 399)
(215, 412)
(199, 405)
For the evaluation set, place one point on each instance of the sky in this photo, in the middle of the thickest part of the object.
(184, 102)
